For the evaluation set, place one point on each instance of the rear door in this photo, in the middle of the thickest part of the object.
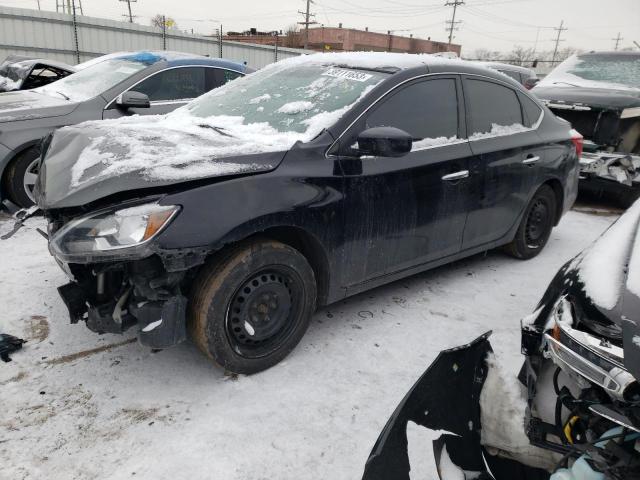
(507, 152)
(167, 90)
(402, 212)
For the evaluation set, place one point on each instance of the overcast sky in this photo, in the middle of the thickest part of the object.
(492, 24)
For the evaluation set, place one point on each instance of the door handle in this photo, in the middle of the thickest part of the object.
(531, 159)
(452, 177)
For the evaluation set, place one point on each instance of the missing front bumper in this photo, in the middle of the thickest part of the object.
(162, 323)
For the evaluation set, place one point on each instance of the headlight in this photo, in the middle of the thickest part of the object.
(108, 234)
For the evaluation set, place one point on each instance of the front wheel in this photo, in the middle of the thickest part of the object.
(536, 225)
(21, 175)
(251, 306)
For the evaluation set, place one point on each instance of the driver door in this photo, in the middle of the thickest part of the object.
(405, 212)
(167, 90)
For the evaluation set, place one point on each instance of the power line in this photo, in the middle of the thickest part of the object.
(130, 15)
(559, 30)
(452, 23)
(307, 21)
(617, 40)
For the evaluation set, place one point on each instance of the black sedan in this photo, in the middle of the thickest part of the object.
(311, 180)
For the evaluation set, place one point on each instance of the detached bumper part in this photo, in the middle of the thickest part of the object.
(162, 323)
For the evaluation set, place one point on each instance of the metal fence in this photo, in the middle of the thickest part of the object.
(75, 38)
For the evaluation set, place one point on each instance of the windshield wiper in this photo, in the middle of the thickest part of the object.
(63, 95)
(219, 130)
(566, 83)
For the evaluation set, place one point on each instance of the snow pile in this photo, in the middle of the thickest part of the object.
(433, 142)
(292, 108)
(633, 277)
(500, 130)
(259, 99)
(366, 60)
(7, 84)
(448, 469)
(602, 270)
(502, 413)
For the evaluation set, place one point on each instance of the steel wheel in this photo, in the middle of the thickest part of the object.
(538, 223)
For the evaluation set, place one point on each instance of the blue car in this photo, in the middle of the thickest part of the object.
(111, 86)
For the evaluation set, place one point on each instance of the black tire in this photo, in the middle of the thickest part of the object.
(250, 307)
(26, 163)
(536, 225)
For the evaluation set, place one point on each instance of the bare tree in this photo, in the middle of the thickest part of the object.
(158, 19)
(520, 55)
(291, 36)
(486, 55)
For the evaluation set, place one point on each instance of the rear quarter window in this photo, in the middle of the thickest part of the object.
(531, 110)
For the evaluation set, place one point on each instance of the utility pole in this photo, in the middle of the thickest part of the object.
(39, 5)
(559, 30)
(617, 40)
(636, 44)
(452, 23)
(130, 15)
(307, 21)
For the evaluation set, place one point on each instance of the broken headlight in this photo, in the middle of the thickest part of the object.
(109, 234)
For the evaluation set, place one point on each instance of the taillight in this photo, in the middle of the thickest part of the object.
(578, 141)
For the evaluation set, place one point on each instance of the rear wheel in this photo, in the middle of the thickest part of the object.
(21, 175)
(250, 307)
(536, 225)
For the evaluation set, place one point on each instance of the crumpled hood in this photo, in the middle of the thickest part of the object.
(607, 276)
(594, 97)
(96, 159)
(28, 105)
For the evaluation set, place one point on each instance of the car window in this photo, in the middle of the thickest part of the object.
(174, 84)
(216, 77)
(426, 110)
(531, 110)
(490, 107)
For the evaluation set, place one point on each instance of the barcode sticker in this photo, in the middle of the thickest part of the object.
(348, 74)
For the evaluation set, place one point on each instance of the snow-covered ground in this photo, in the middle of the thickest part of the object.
(72, 408)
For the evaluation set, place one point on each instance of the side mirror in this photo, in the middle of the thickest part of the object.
(133, 99)
(529, 83)
(384, 142)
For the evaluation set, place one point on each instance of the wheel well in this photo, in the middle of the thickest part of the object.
(312, 250)
(16, 155)
(556, 186)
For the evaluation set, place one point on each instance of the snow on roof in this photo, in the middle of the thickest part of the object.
(367, 60)
(602, 270)
(157, 56)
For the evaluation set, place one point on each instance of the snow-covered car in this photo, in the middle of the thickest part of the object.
(137, 83)
(313, 179)
(24, 73)
(523, 75)
(576, 413)
(599, 93)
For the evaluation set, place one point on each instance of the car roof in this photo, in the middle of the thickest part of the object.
(171, 58)
(394, 63)
(508, 66)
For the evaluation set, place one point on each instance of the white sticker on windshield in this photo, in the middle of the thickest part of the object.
(348, 74)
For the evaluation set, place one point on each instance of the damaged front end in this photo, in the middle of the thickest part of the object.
(119, 277)
(610, 125)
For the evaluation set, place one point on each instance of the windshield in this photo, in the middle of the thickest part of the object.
(94, 80)
(597, 71)
(301, 98)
